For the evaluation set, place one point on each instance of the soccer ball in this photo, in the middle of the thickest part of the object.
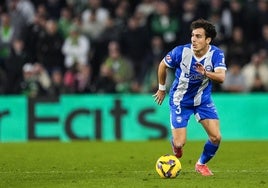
(168, 166)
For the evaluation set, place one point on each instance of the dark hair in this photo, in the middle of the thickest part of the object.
(209, 28)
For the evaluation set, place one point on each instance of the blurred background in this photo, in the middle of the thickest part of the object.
(57, 48)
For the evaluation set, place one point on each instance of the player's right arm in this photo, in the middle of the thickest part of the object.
(171, 60)
(159, 96)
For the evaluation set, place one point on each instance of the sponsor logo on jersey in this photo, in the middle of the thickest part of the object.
(193, 76)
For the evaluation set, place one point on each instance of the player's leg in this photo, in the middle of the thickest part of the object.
(211, 146)
(207, 115)
(178, 141)
(179, 117)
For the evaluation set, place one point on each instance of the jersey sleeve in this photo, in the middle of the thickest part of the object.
(218, 60)
(173, 58)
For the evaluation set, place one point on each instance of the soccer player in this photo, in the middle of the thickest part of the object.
(196, 65)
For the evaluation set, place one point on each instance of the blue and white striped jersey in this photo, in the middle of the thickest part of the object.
(190, 88)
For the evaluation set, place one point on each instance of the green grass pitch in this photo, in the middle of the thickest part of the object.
(128, 165)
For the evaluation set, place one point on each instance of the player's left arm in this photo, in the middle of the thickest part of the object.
(217, 76)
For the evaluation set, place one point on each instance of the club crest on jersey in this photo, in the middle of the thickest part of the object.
(208, 68)
(168, 58)
(179, 119)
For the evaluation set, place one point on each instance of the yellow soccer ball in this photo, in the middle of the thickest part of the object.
(168, 166)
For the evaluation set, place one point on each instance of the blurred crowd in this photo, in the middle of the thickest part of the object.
(53, 47)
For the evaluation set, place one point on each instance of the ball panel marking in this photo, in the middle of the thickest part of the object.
(168, 166)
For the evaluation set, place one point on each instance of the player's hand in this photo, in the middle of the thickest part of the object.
(159, 96)
(200, 68)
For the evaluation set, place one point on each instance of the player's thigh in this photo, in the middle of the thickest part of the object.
(179, 116)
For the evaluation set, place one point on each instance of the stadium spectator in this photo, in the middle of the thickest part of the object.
(121, 15)
(83, 83)
(78, 79)
(94, 19)
(188, 14)
(69, 78)
(65, 22)
(13, 65)
(41, 10)
(54, 8)
(120, 66)
(220, 40)
(3, 82)
(237, 47)
(6, 37)
(99, 48)
(95, 5)
(42, 77)
(234, 16)
(26, 7)
(263, 42)
(57, 85)
(155, 55)
(261, 16)
(135, 46)
(49, 47)
(145, 8)
(29, 85)
(34, 32)
(256, 74)
(76, 48)
(162, 23)
(234, 79)
(77, 6)
(215, 6)
(93, 27)
(263, 52)
(111, 32)
(105, 82)
(17, 17)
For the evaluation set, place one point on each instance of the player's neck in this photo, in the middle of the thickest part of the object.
(202, 52)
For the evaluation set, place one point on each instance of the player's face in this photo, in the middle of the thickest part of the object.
(199, 41)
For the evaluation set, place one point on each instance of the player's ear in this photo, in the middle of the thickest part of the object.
(208, 40)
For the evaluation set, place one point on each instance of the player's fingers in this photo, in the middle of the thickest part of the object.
(157, 100)
(160, 100)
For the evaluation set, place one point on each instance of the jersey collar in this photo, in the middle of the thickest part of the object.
(203, 57)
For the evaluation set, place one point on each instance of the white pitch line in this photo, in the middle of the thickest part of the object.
(113, 172)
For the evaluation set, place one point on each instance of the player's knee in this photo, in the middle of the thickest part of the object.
(178, 143)
(216, 139)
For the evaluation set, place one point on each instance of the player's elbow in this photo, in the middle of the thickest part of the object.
(221, 78)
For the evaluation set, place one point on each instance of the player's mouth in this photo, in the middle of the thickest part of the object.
(194, 46)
